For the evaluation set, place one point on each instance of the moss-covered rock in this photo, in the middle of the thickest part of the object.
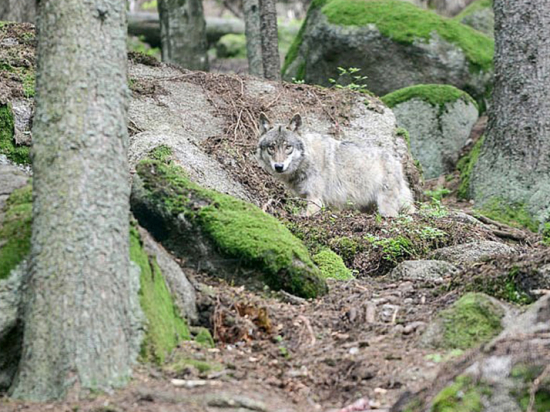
(17, 154)
(439, 119)
(331, 265)
(466, 166)
(165, 327)
(15, 232)
(231, 46)
(394, 43)
(480, 16)
(220, 233)
(462, 395)
(473, 319)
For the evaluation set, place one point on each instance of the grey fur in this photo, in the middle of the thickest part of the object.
(328, 172)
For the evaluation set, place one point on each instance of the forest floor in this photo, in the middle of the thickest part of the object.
(359, 347)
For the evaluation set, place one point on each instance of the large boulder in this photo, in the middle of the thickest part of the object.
(219, 233)
(394, 43)
(439, 119)
(480, 16)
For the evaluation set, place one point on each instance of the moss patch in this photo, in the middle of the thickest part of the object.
(17, 154)
(165, 327)
(231, 46)
(466, 166)
(181, 364)
(471, 320)
(15, 233)
(204, 338)
(331, 265)
(405, 23)
(460, 396)
(524, 375)
(437, 95)
(293, 51)
(515, 215)
(237, 229)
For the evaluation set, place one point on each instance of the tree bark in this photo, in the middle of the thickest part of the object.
(81, 311)
(514, 164)
(21, 11)
(253, 37)
(183, 33)
(270, 40)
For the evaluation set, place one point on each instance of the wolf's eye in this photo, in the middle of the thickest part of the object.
(289, 148)
(271, 149)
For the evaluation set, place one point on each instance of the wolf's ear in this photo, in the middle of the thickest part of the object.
(295, 123)
(265, 124)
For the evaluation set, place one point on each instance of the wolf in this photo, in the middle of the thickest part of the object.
(328, 172)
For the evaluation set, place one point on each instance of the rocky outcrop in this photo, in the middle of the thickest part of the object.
(508, 374)
(480, 16)
(394, 43)
(219, 233)
(429, 271)
(472, 252)
(439, 119)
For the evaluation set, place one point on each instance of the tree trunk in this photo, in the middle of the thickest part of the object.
(183, 33)
(81, 311)
(253, 37)
(270, 41)
(513, 169)
(21, 11)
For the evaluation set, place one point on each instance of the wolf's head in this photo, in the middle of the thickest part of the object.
(280, 149)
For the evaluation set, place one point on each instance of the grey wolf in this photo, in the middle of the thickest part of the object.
(328, 172)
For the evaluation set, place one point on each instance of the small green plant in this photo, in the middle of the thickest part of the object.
(438, 193)
(149, 5)
(546, 234)
(349, 79)
(298, 81)
(393, 249)
(434, 209)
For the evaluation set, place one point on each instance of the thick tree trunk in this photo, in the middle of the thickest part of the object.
(183, 33)
(82, 310)
(253, 37)
(514, 165)
(270, 40)
(21, 11)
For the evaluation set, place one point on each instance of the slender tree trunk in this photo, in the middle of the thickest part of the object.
(253, 37)
(514, 164)
(270, 41)
(81, 309)
(183, 33)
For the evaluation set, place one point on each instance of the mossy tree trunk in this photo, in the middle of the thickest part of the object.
(270, 40)
(81, 303)
(253, 37)
(513, 168)
(183, 33)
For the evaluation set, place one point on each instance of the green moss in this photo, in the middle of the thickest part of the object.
(404, 133)
(17, 154)
(238, 229)
(437, 95)
(347, 248)
(203, 367)
(545, 232)
(505, 286)
(293, 51)
(204, 338)
(461, 396)
(466, 166)
(15, 233)
(165, 327)
(331, 265)
(28, 84)
(404, 23)
(516, 215)
(471, 320)
(473, 8)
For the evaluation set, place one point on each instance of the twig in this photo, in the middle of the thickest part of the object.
(306, 322)
(535, 387)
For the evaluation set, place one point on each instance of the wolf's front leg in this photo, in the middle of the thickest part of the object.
(314, 205)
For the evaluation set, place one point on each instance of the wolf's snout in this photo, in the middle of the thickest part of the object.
(279, 167)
